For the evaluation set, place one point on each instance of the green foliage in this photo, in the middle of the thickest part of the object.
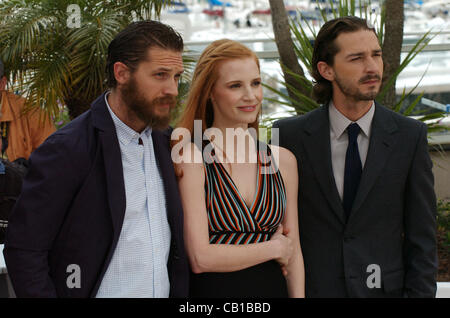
(48, 61)
(304, 34)
(62, 119)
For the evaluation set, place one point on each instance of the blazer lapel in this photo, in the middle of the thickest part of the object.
(382, 141)
(317, 143)
(112, 160)
(114, 180)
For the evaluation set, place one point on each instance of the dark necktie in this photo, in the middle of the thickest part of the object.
(353, 168)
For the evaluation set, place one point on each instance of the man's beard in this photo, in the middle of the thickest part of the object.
(354, 92)
(145, 109)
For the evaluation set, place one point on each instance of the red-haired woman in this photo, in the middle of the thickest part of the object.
(240, 215)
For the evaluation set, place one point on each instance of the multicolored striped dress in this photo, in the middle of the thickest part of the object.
(232, 221)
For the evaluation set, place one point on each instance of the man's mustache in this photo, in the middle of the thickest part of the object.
(369, 78)
(171, 100)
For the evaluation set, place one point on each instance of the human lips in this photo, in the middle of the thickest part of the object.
(166, 102)
(371, 82)
(247, 108)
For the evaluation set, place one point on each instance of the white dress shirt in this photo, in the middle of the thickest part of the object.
(339, 141)
(138, 267)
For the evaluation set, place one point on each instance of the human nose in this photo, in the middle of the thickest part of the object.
(372, 65)
(249, 93)
(171, 88)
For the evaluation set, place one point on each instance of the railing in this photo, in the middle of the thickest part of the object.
(432, 83)
(273, 54)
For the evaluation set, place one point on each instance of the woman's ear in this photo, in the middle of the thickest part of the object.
(325, 70)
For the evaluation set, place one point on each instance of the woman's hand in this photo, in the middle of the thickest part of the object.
(284, 248)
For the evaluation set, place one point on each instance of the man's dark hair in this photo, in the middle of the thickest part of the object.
(130, 46)
(325, 49)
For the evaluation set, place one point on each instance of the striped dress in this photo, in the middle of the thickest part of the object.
(231, 221)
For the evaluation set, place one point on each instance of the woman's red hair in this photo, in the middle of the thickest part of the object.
(198, 104)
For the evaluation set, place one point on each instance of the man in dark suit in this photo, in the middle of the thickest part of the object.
(366, 200)
(100, 214)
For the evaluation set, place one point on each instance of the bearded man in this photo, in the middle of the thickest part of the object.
(367, 207)
(100, 214)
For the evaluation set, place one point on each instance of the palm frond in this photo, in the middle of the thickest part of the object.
(304, 49)
(50, 62)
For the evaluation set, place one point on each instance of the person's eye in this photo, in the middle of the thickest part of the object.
(237, 85)
(356, 58)
(256, 83)
(161, 75)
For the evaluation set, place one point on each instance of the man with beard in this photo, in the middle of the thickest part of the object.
(367, 206)
(100, 214)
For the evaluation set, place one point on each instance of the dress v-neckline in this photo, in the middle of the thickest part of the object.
(249, 209)
(233, 184)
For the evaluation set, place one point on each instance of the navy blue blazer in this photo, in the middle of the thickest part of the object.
(72, 207)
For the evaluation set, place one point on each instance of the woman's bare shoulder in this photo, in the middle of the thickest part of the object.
(283, 157)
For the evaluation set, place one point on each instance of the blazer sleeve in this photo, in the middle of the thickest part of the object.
(420, 252)
(47, 191)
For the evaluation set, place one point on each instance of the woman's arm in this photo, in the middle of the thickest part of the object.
(295, 268)
(206, 257)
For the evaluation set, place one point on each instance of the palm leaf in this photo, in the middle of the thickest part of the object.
(47, 60)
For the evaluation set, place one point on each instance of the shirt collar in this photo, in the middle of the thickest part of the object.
(125, 134)
(339, 123)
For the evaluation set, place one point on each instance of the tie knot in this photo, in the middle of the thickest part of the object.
(353, 131)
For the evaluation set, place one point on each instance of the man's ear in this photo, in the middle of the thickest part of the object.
(325, 70)
(121, 72)
(3, 83)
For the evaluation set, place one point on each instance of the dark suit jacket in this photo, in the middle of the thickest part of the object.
(392, 223)
(72, 207)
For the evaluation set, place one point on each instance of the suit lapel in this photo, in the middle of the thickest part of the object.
(114, 180)
(112, 160)
(382, 142)
(317, 143)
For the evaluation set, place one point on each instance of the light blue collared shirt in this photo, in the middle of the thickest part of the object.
(138, 267)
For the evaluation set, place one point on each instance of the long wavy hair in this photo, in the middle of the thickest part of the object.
(325, 49)
(198, 103)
